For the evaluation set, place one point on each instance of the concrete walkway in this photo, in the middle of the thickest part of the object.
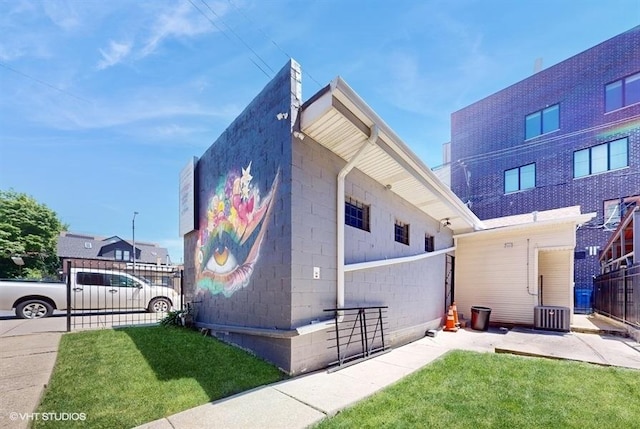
(28, 351)
(305, 400)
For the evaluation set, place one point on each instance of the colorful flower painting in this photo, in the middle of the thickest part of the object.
(231, 233)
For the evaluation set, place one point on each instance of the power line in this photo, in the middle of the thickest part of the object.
(527, 146)
(227, 36)
(255, 25)
(41, 82)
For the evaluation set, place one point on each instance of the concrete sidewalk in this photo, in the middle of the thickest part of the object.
(305, 400)
(28, 351)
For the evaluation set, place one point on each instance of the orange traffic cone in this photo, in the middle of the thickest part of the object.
(451, 325)
(456, 322)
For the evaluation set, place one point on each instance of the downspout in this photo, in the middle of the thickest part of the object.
(373, 137)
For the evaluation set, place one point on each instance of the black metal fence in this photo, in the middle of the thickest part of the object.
(358, 333)
(111, 294)
(617, 295)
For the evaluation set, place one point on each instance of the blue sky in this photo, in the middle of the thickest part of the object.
(103, 102)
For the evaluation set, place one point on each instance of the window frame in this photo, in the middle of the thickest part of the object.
(401, 232)
(429, 243)
(623, 84)
(541, 121)
(519, 170)
(590, 160)
(352, 205)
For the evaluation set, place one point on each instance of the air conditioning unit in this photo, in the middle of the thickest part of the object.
(552, 318)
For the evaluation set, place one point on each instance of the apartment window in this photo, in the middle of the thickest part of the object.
(356, 214)
(621, 93)
(520, 178)
(601, 158)
(542, 122)
(401, 232)
(429, 245)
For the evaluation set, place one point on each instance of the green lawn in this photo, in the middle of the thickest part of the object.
(484, 390)
(126, 377)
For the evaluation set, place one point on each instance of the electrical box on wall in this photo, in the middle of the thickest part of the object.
(316, 273)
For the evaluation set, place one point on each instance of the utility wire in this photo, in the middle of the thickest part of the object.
(526, 146)
(227, 36)
(41, 82)
(239, 38)
(255, 25)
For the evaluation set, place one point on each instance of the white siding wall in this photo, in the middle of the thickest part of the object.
(498, 269)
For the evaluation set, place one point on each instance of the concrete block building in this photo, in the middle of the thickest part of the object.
(567, 135)
(299, 208)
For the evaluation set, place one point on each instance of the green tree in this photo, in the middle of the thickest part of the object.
(30, 230)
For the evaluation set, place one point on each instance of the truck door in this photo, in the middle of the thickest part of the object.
(125, 292)
(88, 292)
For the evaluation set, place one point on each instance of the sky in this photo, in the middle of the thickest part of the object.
(102, 103)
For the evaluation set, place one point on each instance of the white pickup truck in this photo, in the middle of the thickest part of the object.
(91, 289)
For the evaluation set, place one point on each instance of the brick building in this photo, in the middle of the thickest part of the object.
(567, 135)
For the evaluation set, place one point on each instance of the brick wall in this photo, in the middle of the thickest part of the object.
(488, 137)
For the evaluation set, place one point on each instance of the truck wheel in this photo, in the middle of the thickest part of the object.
(33, 309)
(159, 305)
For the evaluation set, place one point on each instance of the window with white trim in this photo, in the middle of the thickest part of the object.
(601, 158)
(542, 122)
(621, 93)
(520, 178)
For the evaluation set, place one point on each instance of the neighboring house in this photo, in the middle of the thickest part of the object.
(298, 208)
(115, 252)
(568, 135)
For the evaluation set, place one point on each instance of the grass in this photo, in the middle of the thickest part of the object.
(483, 390)
(127, 377)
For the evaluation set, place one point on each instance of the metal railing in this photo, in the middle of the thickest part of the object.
(617, 295)
(358, 333)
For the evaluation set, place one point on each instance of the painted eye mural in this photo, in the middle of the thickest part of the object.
(231, 234)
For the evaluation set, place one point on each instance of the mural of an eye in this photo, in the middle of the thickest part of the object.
(222, 262)
(234, 213)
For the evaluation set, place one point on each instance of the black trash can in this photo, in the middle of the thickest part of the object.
(480, 318)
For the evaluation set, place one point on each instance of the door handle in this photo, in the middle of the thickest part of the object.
(77, 289)
(113, 290)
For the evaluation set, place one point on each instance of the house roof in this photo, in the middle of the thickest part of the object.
(81, 246)
(562, 215)
(338, 119)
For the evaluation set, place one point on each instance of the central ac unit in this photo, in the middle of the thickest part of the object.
(552, 318)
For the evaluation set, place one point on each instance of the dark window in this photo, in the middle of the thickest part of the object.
(356, 214)
(621, 93)
(401, 232)
(429, 245)
(91, 279)
(542, 122)
(580, 254)
(601, 158)
(520, 178)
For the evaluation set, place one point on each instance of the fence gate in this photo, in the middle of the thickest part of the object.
(450, 264)
(104, 294)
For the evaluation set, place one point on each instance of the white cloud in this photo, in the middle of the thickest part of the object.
(181, 21)
(62, 14)
(114, 54)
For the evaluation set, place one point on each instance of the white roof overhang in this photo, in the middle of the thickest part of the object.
(338, 119)
(569, 220)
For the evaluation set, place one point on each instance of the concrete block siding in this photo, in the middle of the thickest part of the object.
(300, 234)
(488, 137)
